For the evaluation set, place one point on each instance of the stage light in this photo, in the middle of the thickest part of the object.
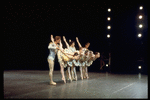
(141, 7)
(139, 35)
(139, 67)
(140, 26)
(106, 65)
(108, 18)
(109, 27)
(108, 35)
(109, 10)
(140, 17)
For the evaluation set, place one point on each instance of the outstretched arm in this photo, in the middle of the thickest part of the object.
(78, 42)
(70, 56)
(66, 42)
(52, 38)
(51, 45)
(61, 46)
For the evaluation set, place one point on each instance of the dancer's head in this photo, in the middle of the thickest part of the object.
(90, 53)
(72, 43)
(97, 54)
(76, 54)
(80, 50)
(57, 39)
(87, 45)
(86, 52)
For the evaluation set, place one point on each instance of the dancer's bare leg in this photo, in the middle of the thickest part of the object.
(86, 71)
(51, 68)
(69, 74)
(74, 69)
(72, 73)
(81, 72)
(62, 73)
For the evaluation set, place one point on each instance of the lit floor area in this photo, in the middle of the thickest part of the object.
(35, 84)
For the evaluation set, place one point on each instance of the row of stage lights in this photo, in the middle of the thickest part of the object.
(140, 17)
(140, 25)
(108, 19)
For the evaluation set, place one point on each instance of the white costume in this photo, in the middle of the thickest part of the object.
(70, 63)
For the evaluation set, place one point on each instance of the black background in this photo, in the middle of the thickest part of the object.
(27, 27)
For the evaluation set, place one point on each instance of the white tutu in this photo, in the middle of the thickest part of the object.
(61, 59)
(89, 63)
(76, 62)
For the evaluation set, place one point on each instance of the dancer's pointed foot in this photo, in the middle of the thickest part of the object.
(84, 77)
(52, 83)
(70, 79)
(64, 80)
(76, 79)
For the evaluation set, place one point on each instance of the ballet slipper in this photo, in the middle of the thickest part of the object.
(82, 78)
(76, 79)
(64, 80)
(52, 83)
(70, 80)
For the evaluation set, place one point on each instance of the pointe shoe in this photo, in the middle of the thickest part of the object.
(82, 78)
(73, 79)
(64, 80)
(52, 83)
(70, 80)
(76, 79)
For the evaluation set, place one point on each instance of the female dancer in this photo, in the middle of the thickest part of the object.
(64, 55)
(82, 59)
(92, 57)
(53, 48)
(90, 54)
(72, 49)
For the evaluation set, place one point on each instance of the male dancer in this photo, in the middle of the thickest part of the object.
(53, 48)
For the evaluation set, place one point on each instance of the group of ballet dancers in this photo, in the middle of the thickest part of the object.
(70, 58)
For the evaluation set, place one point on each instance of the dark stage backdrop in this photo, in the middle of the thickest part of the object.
(28, 26)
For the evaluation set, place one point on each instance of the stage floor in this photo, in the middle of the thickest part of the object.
(35, 84)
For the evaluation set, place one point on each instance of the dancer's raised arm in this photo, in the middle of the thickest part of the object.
(51, 44)
(66, 42)
(78, 42)
(52, 38)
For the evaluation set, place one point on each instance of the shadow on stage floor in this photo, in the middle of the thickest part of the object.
(35, 84)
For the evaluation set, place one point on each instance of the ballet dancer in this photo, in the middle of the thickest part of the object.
(80, 46)
(92, 57)
(73, 63)
(64, 56)
(84, 68)
(82, 59)
(53, 48)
